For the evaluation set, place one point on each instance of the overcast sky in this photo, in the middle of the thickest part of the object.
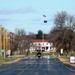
(28, 14)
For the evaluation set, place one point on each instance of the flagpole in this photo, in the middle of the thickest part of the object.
(42, 39)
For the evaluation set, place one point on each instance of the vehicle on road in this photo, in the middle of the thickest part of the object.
(38, 54)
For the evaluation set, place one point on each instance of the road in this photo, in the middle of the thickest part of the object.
(35, 66)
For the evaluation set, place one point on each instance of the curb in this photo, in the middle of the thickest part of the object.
(65, 61)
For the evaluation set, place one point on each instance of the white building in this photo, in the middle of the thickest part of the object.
(42, 45)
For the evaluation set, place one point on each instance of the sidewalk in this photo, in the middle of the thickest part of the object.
(66, 61)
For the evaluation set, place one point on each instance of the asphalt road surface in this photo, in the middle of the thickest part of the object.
(35, 66)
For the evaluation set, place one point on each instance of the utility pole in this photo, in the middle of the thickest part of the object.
(42, 36)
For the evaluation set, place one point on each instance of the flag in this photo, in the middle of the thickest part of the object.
(45, 21)
(44, 15)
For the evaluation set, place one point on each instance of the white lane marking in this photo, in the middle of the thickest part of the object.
(46, 56)
(48, 62)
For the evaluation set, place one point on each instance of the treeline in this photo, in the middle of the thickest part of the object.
(63, 33)
(22, 41)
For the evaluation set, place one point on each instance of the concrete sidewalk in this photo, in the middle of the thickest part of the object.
(66, 61)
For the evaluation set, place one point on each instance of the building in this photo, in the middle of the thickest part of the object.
(4, 40)
(11, 40)
(42, 45)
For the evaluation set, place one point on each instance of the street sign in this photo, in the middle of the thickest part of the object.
(1, 50)
(72, 59)
(61, 52)
(9, 52)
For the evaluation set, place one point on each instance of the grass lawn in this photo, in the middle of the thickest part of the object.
(6, 59)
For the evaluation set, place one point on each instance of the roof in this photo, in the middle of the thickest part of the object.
(40, 40)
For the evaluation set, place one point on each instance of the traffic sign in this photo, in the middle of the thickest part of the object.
(72, 59)
(9, 52)
(1, 50)
(61, 51)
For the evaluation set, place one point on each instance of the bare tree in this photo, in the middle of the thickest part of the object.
(63, 32)
(20, 40)
(63, 19)
(60, 19)
(29, 43)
